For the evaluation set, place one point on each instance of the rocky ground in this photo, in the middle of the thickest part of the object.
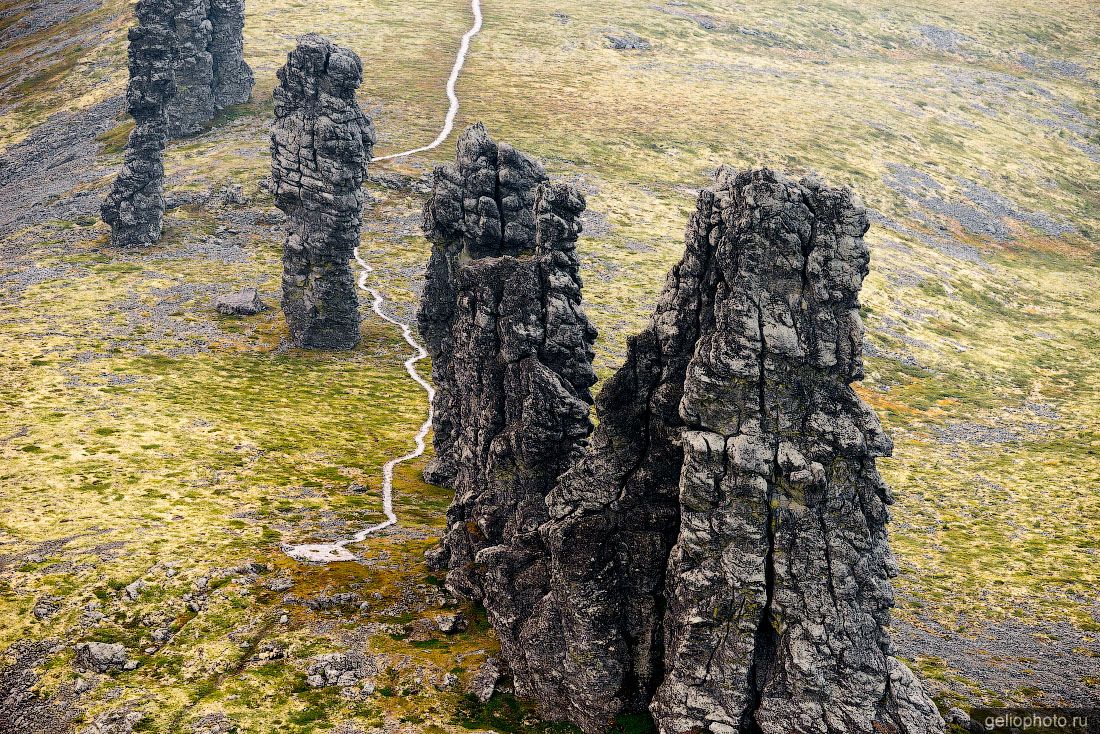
(155, 453)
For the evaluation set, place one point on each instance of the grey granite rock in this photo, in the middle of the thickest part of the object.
(209, 66)
(245, 303)
(320, 145)
(512, 353)
(134, 209)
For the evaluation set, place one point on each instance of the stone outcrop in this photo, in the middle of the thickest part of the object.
(320, 145)
(719, 553)
(512, 353)
(209, 66)
(778, 587)
(483, 205)
(135, 207)
(233, 78)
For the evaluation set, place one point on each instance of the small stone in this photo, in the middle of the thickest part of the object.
(245, 303)
(100, 657)
(627, 41)
(119, 721)
(46, 607)
(280, 584)
(133, 591)
(234, 195)
(451, 623)
(340, 669)
(959, 718)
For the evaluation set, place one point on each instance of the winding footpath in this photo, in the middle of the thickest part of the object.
(338, 551)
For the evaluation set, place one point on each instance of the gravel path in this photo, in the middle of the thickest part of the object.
(333, 552)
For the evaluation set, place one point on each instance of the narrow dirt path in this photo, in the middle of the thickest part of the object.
(332, 552)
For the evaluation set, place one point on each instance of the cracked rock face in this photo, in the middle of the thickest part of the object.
(482, 205)
(209, 65)
(135, 207)
(320, 145)
(233, 78)
(778, 587)
(512, 353)
(721, 548)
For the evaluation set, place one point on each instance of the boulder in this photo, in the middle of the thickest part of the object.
(100, 657)
(244, 303)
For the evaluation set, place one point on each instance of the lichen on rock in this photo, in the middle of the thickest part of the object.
(321, 143)
(512, 353)
(209, 66)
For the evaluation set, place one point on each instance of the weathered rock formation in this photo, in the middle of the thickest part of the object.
(209, 65)
(719, 553)
(135, 207)
(233, 78)
(320, 145)
(778, 588)
(733, 433)
(512, 354)
(482, 205)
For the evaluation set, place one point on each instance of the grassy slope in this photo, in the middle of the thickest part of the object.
(208, 458)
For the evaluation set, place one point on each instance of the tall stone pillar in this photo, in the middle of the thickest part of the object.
(135, 207)
(321, 143)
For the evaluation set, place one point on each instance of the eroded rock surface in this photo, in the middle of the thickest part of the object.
(320, 145)
(512, 354)
(233, 77)
(135, 207)
(483, 205)
(720, 552)
(778, 586)
(209, 65)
